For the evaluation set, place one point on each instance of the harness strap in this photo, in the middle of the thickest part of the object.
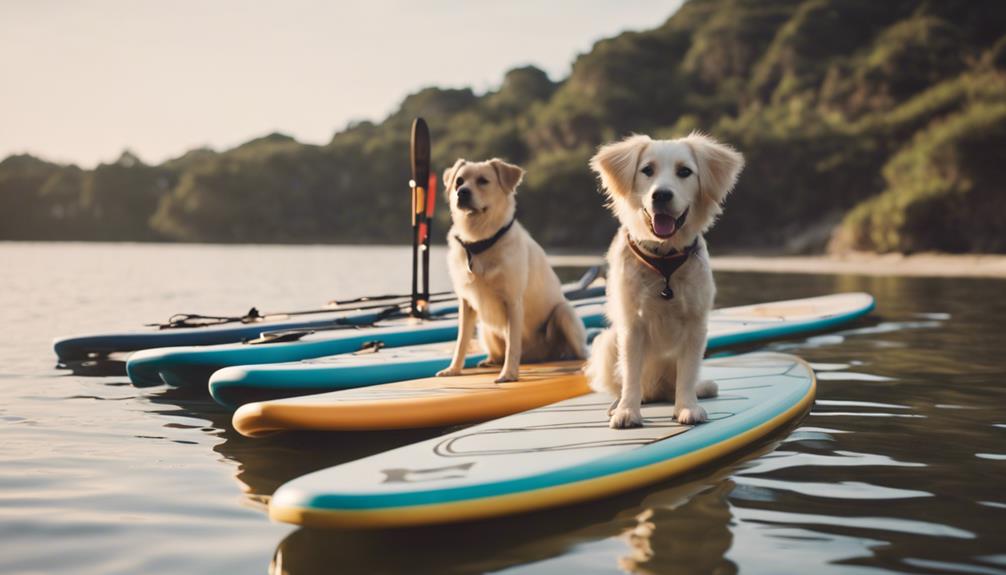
(475, 248)
(664, 265)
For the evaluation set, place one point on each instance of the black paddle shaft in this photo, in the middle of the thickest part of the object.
(419, 156)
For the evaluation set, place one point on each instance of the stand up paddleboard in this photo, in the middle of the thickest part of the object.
(474, 397)
(193, 366)
(555, 455)
(235, 386)
(197, 329)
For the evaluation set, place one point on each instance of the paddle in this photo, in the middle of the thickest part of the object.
(419, 157)
(362, 303)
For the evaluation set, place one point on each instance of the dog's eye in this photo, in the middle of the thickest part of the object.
(684, 172)
(647, 170)
(459, 182)
(482, 181)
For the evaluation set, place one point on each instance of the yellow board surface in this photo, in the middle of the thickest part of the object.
(427, 402)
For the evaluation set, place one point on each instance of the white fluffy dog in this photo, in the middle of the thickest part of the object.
(502, 277)
(665, 194)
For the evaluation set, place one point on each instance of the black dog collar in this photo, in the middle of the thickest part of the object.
(476, 248)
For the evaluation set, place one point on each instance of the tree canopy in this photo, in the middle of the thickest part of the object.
(866, 125)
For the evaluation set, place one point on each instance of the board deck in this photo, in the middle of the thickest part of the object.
(427, 402)
(554, 455)
(235, 386)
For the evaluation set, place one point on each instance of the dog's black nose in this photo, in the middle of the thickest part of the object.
(464, 195)
(662, 196)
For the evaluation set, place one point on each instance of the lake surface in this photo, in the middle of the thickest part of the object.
(900, 466)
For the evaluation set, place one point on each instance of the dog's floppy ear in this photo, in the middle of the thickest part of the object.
(617, 163)
(510, 176)
(719, 165)
(450, 173)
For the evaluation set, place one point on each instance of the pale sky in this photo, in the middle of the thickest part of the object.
(84, 79)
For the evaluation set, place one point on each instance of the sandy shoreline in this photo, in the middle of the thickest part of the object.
(932, 265)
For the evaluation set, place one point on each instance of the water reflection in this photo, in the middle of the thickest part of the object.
(266, 463)
(640, 548)
(682, 525)
(124, 480)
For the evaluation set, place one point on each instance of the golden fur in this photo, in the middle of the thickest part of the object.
(654, 347)
(510, 288)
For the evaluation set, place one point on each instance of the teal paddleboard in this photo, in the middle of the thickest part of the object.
(555, 455)
(193, 366)
(235, 386)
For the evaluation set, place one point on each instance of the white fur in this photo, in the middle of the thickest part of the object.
(511, 289)
(654, 347)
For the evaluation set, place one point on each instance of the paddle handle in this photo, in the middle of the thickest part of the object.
(419, 156)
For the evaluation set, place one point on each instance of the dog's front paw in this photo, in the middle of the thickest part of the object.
(625, 417)
(690, 414)
(505, 377)
(488, 362)
(449, 372)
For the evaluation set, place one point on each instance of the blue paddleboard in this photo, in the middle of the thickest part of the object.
(82, 347)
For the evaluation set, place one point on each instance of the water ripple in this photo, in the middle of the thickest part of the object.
(847, 403)
(892, 327)
(952, 567)
(851, 376)
(865, 414)
(818, 366)
(791, 459)
(910, 526)
(827, 430)
(933, 315)
(839, 490)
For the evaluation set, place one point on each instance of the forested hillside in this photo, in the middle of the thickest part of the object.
(872, 125)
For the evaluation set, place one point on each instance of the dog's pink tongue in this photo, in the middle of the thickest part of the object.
(663, 225)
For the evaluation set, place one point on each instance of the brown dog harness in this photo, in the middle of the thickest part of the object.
(664, 265)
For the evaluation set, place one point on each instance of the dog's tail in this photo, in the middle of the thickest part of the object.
(564, 330)
(706, 388)
(601, 367)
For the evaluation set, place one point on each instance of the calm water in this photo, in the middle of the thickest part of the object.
(900, 467)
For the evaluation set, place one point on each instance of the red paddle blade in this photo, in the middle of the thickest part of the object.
(431, 195)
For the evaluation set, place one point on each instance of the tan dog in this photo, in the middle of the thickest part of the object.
(665, 193)
(502, 277)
